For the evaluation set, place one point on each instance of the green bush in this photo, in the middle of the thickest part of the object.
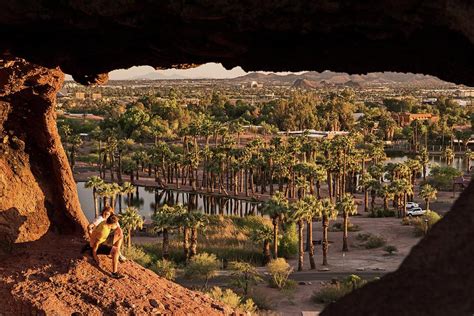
(165, 269)
(289, 242)
(380, 212)
(363, 236)
(333, 292)
(330, 293)
(339, 227)
(202, 266)
(279, 271)
(138, 255)
(244, 276)
(419, 223)
(390, 249)
(374, 242)
(231, 299)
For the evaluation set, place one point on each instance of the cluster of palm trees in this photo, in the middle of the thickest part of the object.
(306, 209)
(179, 217)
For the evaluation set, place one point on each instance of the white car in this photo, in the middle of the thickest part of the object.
(412, 205)
(415, 211)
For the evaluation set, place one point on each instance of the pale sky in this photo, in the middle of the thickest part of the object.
(209, 70)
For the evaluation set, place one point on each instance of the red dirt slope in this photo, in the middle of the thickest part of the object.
(51, 277)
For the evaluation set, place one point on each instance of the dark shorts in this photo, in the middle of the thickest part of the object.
(102, 250)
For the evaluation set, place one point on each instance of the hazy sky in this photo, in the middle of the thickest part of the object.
(210, 70)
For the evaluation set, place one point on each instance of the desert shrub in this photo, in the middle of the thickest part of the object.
(202, 266)
(261, 301)
(390, 249)
(244, 276)
(138, 255)
(339, 227)
(374, 242)
(289, 242)
(419, 223)
(230, 298)
(332, 292)
(279, 271)
(165, 269)
(363, 236)
(406, 221)
(380, 212)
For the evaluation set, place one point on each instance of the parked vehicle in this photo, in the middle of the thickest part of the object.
(412, 205)
(415, 211)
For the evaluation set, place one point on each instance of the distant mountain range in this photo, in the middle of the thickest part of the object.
(313, 79)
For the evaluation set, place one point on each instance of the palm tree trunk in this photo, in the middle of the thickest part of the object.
(166, 244)
(275, 237)
(193, 246)
(301, 246)
(267, 256)
(325, 240)
(96, 203)
(311, 246)
(344, 236)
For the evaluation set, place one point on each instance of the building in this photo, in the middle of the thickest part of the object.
(96, 96)
(80, 95)
(311, 133)
(405, 118)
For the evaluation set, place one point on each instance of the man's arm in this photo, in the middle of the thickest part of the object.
(90, 228)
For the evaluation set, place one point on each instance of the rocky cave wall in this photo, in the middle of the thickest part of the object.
(91, 37)
(37, 190)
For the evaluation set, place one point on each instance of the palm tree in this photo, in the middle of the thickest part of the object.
(468, 155)
(95, 183)
(300, 212)
(328, 212)
(127, 189)
(424, 159)
(276, 207)
(448, 155)
(264, 234)
(165, 219)
(347, 207)
(315, 212)
(385, 192)
(130, 220)
(428, 193)
(195, 220)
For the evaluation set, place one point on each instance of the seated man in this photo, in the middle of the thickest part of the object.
(106, 212)
(99, 236)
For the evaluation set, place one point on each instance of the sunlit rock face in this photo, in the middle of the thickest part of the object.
(94, 37)
(37, 191)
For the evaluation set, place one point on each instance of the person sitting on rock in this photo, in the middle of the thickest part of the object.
(99, 236)
(106, 212)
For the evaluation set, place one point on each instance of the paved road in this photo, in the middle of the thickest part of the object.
(311, 276)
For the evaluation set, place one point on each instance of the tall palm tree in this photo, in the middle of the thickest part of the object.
(276, 208)
(428, 193)
(468, 156)
(264, 234)
(130, 220)
(328, 212)
(424, 159)
(195, 220)
(95, 183)
(165, 219)
(347, 207)
(127, 189)
(299, 213)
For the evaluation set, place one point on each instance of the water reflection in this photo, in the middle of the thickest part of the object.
(147, 200)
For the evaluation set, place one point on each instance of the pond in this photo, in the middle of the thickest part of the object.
(146, 200)
(459, 163)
